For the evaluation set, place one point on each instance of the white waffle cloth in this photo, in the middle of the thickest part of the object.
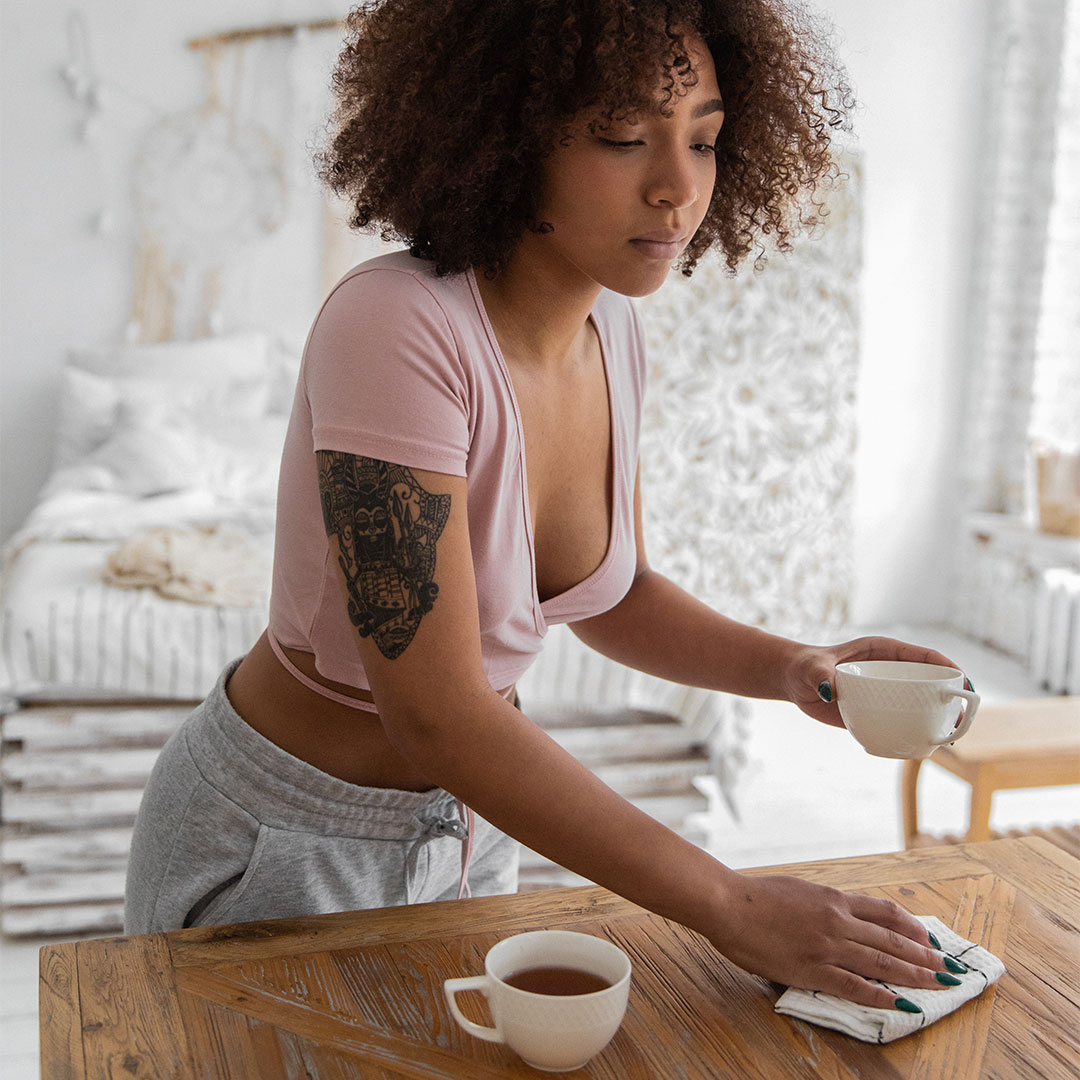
(884, 1025)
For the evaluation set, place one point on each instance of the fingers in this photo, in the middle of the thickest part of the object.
(846, 984)
(850, 977)
(890, 915)
(884, 965)
(886, 648)
(926, 656)
(887, 944)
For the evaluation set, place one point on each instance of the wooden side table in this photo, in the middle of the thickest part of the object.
(1024, 744)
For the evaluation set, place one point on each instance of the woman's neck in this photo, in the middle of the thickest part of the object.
(539, 310)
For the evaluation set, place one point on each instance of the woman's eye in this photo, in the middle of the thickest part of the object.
(700, 148)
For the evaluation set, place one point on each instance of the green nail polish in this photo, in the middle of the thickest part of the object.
(906, 1006)
(946, 980)
(824, 692)
(955, 966)
(934, 941)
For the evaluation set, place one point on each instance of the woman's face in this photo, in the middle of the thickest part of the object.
(625, 201)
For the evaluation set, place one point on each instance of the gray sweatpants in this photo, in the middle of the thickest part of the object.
(232, 828)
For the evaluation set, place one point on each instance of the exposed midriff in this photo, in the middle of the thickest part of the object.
(338, 739)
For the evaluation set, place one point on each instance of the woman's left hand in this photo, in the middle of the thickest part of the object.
(810, 680)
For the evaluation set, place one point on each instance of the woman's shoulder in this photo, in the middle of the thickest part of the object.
(396, 276)
(393, 312)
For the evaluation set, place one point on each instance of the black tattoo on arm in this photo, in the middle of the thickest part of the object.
(386, 526)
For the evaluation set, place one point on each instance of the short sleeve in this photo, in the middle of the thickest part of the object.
(383, 375)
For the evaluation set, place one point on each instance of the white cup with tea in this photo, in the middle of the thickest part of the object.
(557, 997)
(903, 709)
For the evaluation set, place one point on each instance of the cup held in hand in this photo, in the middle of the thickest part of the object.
(902, 709)
(554, 1032)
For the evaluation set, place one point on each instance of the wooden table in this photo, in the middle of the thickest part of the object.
(359, 994)
(1022, 744)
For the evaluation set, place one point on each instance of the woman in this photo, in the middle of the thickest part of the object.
(461, 470)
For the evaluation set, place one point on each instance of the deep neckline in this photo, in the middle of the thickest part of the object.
(544, 608)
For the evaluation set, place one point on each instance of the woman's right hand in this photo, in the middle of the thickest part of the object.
(816, 937)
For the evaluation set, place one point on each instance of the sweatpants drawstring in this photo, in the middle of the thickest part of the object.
(462, 828)
(466, 848)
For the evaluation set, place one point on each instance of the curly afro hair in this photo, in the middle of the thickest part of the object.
(445, 110)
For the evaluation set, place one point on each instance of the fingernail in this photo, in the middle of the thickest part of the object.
(824, 691)
(946, 980)
(969, 684)
(955, 966)
(934, 941)
(906, 1006)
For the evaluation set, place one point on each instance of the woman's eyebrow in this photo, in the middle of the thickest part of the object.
(707, 107)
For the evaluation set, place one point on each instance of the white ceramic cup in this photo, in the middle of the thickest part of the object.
(902, 709)
(552, 1033)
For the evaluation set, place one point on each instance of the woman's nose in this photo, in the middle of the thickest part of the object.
(674, 184)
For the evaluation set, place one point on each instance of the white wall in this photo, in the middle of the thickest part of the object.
(917, 70)
(62, 284)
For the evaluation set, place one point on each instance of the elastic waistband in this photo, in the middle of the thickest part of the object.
(282, 790)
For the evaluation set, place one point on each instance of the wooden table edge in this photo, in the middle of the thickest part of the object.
(60, 1053)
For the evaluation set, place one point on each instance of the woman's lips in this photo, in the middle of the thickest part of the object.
(657, 249)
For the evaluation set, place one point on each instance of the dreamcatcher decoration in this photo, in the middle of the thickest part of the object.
(206, 187)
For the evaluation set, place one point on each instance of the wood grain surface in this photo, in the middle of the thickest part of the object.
(359, 994)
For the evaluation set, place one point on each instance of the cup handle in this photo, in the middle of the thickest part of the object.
(452, 987)
(970, 709)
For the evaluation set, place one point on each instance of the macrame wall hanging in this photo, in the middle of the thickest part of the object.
(207, 184)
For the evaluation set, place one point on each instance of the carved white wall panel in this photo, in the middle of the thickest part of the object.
(747, 448)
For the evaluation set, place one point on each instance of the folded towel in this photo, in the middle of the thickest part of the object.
(884, 1025)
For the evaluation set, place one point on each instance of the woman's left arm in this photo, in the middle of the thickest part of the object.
(661, 629)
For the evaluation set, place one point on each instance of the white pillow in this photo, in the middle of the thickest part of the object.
(244, 462)
(86, 414)
(93, 406)
(149, 458)
(157, 454)
(216, 359)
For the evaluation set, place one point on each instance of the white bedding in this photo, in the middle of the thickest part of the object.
(141, 447)
(66, 635)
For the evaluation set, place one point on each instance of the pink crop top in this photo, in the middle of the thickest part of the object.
(403, 366)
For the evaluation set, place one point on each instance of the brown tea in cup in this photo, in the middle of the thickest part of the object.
(559, 981)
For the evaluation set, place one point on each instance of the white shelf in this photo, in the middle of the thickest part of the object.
(1017, 532)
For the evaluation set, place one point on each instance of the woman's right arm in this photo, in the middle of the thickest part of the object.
(402, 543)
